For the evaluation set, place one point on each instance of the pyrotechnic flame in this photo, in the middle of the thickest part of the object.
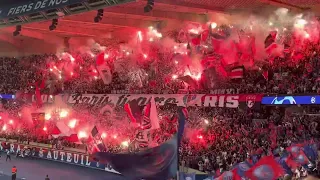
(47, 116)
(125, 143)
(72, 123)
(63, 114)
(82, 134)
(103, 135)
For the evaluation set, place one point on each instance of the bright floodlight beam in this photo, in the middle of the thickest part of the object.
(149, 6)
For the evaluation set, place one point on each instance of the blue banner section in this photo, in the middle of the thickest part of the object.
(7, 96)
(24, 7)
(287, 100)
(62, 156)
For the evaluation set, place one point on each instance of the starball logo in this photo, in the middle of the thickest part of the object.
(281, 100)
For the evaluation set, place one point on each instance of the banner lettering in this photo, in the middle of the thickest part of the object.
(225, 91)
(79, 159)
(108, 101)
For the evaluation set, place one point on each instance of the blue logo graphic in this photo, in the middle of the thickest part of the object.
(290, 100)
(243, 166)
(284, 100)
(300, 159)
(264, 172)
(7, 96)
(295, 149)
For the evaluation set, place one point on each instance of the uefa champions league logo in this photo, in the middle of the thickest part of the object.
(281, 101)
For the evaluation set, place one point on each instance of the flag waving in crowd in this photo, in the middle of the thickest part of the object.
(267, 168)
(156, 163)
(146, 118)
(95, 142)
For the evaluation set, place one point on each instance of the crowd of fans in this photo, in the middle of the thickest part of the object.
(115, 124)
(294, 73)
(226, 137)
(215, 139)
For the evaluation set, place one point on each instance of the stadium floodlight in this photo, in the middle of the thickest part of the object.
(17, 31)
(149, 6)
(99, 16)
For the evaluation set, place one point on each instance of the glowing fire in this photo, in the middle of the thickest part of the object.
(72, 123)
(82, 134)
(63, 113)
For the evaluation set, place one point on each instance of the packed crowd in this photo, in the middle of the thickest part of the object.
(119, 130)
(215, 139)
(227, 137)
(20, 74)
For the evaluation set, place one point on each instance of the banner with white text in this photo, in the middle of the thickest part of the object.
(62, 156)
(113, 100)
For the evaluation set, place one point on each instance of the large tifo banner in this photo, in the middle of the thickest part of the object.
(289, 100)
(62, 156)
(204, 100)
(13, 9)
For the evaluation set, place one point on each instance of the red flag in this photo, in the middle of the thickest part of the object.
(266, 168)
(236, 72)
(196, 41)
(133, 111)
(100, 59)
(56, 131)
(72, 138)
(265, 74)
(269, 42)
(294, 149)
(230, 175)
(204, 35)
(301, 158)
(291, 163)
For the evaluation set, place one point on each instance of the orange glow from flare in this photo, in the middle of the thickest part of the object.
(196, 76)
(103, 135)
(72, 123)
(82, 134)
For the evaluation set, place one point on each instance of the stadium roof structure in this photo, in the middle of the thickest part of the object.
(76, 17)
